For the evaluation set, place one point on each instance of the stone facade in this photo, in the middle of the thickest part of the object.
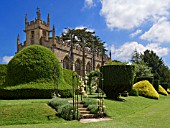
(69, 54)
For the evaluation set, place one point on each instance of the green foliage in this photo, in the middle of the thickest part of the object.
(116, 62)
(93, 108)
(66, 111)
(134, 92)
(117, 79)
(67, 74)
(162, 91)
(142, 70)
(159, 69)
(89, 101)
(150, 79)
(33, 63)
(156, 84)
(146, 89)
(3, 71)
(57, 102)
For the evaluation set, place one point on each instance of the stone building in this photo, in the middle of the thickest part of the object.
(72, 56)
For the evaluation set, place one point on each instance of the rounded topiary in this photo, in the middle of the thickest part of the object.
(33, 63)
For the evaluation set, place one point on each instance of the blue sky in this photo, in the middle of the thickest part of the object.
(125, 25)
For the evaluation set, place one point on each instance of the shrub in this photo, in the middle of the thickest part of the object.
(117, 79)
(93, 108)
(165, 85)
(168, 91)
(57, 102)
(146, 89)
(33, 63)
(66, 111)
(162, 91)
(134, 92)
(90, 101)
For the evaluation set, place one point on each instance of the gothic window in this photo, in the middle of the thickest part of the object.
(78, 67)
(98, 66)
(44, 33)
(66, 62)
(32, 34)
(88, 67)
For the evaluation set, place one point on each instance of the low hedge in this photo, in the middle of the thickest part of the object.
(32, 93)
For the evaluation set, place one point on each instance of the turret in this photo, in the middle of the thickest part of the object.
(18, 42)
(38, 14)
(110, 55)
(48, 20)
(53, 31)
(26, 18)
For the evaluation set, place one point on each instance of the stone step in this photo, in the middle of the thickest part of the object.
(84, 112)
(87, 116)
(82, 109)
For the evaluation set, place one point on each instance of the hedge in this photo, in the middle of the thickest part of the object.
(117, 79)
(32, 93)
(3, 72)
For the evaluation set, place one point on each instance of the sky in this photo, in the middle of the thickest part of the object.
(125, 25)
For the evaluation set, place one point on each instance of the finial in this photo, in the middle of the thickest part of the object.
(38, 13)
(26, 18)
(18, 38)
(18, 42)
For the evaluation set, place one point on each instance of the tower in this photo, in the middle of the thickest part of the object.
(36, 29)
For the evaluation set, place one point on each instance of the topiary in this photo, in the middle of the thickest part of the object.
(146, 89)
(117, 79)
(162, 91)
(134, 92)
(33, 63)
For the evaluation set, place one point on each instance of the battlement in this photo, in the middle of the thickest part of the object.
(37, 22)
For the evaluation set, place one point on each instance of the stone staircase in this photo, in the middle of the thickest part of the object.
(84, 112)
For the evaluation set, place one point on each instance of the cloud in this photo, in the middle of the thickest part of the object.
(89, 3)
(128, 14)
(6, 59)
(159, 32)
(136, 33)
(82, 27)
(126, 51)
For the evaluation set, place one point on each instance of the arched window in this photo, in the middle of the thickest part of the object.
(66, 63)
(78, 67)
(88, 67)
(98, 66)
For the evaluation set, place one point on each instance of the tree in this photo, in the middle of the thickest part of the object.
(159, 69)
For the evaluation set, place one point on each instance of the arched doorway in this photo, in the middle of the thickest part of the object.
(88, 67)
(98, 66)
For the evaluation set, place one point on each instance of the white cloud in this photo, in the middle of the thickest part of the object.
(128, 14)
(126, 51)
(82, 27)
(6, 59)
(136, 33)
(159, 32)
(89, 3)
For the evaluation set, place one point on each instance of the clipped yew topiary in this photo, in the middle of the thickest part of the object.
(33, 69)
(146, 89)
(117, 79)
(33, 63)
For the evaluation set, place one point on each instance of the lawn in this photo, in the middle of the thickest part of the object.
(136, 112)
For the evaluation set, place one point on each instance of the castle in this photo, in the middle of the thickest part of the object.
(72, 56)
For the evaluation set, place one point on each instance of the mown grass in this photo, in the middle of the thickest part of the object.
(135, 112)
